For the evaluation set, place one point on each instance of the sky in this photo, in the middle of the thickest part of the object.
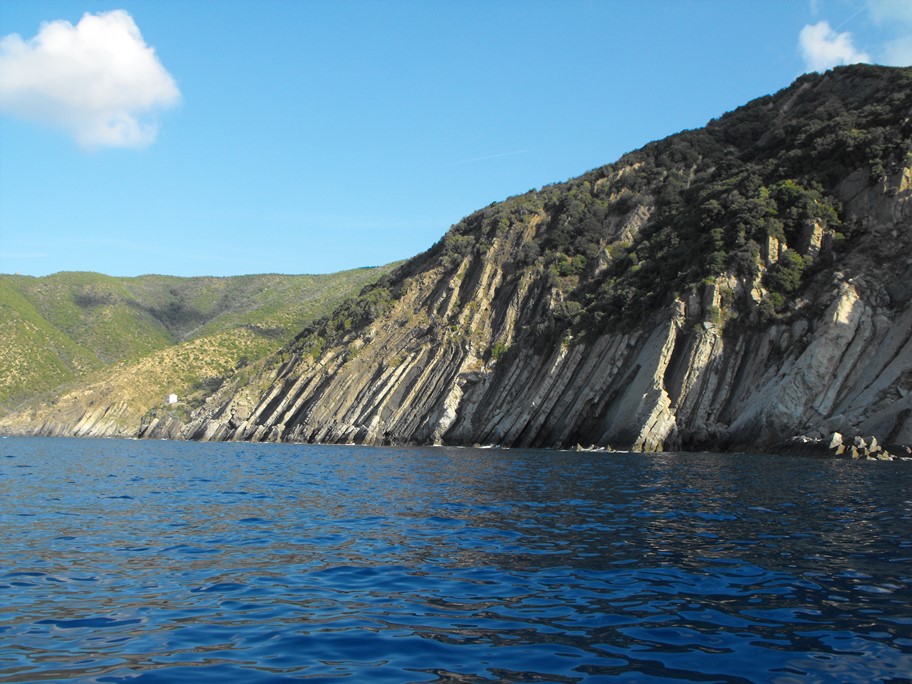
(190, 137)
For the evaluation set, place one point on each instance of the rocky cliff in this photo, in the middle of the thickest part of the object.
(725, 288)
(425, 372)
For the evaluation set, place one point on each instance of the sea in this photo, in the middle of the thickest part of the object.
(156, 561)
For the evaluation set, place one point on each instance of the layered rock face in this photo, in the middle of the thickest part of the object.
(424, 372)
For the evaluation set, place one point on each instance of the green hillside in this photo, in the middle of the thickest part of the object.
(34, 355)
(57, 329)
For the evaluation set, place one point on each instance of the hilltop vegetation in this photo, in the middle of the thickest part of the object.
(627, 238)
(60, 328)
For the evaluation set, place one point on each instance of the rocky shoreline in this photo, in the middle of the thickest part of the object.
(839, 446)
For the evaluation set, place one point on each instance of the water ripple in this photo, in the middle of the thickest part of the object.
(168, 562)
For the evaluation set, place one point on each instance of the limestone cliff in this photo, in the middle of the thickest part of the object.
(729, 287)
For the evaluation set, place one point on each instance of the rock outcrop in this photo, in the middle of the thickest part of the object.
(836, 445)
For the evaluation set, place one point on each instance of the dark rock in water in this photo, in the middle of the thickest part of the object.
(900, 450)
(835, 447)
(806, 446)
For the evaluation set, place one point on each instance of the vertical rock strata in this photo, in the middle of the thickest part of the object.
(424, 372)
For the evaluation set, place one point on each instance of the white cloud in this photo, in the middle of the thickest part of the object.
(98, 80)
(822, 47)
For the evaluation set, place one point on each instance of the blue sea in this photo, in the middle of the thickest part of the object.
(183, 562)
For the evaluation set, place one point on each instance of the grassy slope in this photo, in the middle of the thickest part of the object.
(136, 388)
(59, 328)
(34, 355)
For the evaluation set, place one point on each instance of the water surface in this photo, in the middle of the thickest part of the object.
(168, 562)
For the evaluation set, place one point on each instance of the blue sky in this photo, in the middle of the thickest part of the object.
(314, 136)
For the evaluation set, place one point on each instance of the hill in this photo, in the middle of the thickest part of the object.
(727, 287)
(59, 329)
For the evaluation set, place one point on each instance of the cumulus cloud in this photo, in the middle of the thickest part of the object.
(97, 80)
(822, 47)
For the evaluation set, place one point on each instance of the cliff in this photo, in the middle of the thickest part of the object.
(727, 288)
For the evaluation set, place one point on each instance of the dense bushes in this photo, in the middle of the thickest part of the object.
(717, 195)
(784, 277)
(626, 238)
